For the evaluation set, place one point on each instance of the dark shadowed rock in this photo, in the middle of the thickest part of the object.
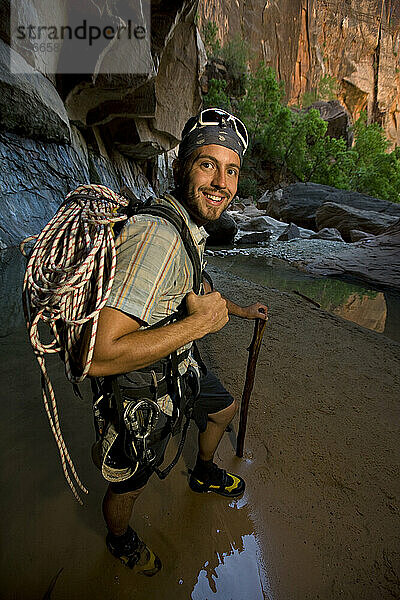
(327, 233)
(240, 203)
(356, 235)
(246, 201)
(363, 202)
(337, 118)
(29, 103)
(256, 224)
(216, 69)
(238, 206)
(290, 233)
(262, 203)
(299, 202)
(345, 218)
(253, 238)
(222, 231)
(375, 260)
(251, 210)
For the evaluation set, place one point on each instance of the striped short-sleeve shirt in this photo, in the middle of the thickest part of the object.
(154, 272)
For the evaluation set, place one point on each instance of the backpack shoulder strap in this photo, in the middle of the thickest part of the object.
(168, 213)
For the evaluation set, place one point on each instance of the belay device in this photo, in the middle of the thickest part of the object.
(67, 282)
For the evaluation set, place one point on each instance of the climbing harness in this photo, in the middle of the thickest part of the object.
(68, 279)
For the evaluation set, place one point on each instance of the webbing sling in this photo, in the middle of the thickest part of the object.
(167, 212)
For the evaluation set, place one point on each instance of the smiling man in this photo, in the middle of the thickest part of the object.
(209, 182)
(154, 278)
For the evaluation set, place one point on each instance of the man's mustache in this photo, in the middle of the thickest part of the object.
(215, 193)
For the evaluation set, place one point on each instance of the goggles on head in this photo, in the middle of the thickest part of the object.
(218, 116)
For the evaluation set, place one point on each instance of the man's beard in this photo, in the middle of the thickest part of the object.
(193, 202)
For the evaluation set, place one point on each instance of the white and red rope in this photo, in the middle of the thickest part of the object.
(67, 282)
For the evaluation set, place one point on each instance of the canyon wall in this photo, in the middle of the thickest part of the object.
(57, 131)
(355, 41)
(60, 130)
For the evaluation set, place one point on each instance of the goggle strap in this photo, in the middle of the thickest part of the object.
(228, 119)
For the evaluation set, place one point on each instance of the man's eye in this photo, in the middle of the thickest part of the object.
(207, 165)
(232, 172)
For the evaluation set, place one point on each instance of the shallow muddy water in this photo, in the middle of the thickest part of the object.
(318, 518)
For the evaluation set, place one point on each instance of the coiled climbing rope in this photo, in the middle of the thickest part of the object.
(68, 279)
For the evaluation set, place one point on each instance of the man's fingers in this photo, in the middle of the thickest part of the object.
(262, 313)
(210, 311)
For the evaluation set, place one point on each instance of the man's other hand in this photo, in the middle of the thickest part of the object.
(255, 311)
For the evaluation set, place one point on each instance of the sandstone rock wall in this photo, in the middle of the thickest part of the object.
(355, 41)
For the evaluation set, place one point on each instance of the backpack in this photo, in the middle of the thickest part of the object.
(68, 279)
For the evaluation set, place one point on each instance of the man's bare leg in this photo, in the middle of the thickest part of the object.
(121, 540)
(117, 510)
(211, 437)
(206, 475)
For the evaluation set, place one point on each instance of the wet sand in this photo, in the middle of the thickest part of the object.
(320, 516)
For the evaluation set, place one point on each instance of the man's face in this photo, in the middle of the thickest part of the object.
(209, 182)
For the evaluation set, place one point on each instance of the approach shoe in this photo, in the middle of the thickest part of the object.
(134, 553)
(218, 481)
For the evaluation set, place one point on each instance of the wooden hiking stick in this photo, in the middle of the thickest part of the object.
(253, 350)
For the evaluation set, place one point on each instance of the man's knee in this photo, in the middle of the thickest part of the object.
(225, 415)
(125, 493)
(134, 484)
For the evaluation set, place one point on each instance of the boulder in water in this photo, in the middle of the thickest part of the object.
(222, 231)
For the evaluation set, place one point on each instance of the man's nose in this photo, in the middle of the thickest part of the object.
(219, 180)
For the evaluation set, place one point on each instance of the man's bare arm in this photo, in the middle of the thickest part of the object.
(121, 347)
(258, 310)
(254, 311)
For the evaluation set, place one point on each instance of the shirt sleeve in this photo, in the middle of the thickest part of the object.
(147, 249)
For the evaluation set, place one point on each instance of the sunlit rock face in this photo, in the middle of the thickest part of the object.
(355, 41)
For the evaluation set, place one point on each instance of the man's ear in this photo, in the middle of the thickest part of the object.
(176, 168)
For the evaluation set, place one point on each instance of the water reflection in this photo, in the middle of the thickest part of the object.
(367, 310)
(370, 308)
(237, 573)
(12, 269)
